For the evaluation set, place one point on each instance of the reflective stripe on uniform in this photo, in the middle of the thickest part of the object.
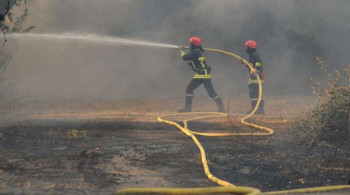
(202, 76)
(258, 64)
(251, 81)
(189, 95)
(201, 60)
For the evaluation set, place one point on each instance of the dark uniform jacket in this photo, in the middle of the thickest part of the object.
(255, 60)
(197, 62)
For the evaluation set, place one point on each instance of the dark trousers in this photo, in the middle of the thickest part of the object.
(209, 88)
(254, 95)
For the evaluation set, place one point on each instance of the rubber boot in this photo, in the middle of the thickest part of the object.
(261, 108)
(188, 104)
(220, 104)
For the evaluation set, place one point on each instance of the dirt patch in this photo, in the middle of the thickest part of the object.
(52, 148)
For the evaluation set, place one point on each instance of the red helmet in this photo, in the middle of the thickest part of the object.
(251, 44)
(196, 41)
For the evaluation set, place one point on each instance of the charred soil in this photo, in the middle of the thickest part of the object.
(100, 147)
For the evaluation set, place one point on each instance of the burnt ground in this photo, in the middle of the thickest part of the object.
(100, 147)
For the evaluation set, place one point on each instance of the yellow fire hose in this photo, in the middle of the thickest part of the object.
(225, 187)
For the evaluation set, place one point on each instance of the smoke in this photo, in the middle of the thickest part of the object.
(290, 34)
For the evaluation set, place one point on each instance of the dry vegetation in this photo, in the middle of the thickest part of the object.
(324, 132)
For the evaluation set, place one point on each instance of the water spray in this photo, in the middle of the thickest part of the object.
(93, 38)
(90, 38)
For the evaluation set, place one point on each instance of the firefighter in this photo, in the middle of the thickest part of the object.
(253, 83)
(196, 61)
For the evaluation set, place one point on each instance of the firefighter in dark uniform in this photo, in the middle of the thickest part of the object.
(202, 74)
(253, 83)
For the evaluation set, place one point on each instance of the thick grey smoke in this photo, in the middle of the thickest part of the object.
(290, 34)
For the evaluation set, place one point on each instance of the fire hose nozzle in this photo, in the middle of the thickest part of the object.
(181, 47)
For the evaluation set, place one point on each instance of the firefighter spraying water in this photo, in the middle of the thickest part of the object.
(195, 58)
(202, 74)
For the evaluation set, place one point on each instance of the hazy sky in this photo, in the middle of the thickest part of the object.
(290, 34)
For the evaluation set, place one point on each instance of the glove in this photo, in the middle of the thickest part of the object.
(181, 47)
(182, 53)
(252, 71)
